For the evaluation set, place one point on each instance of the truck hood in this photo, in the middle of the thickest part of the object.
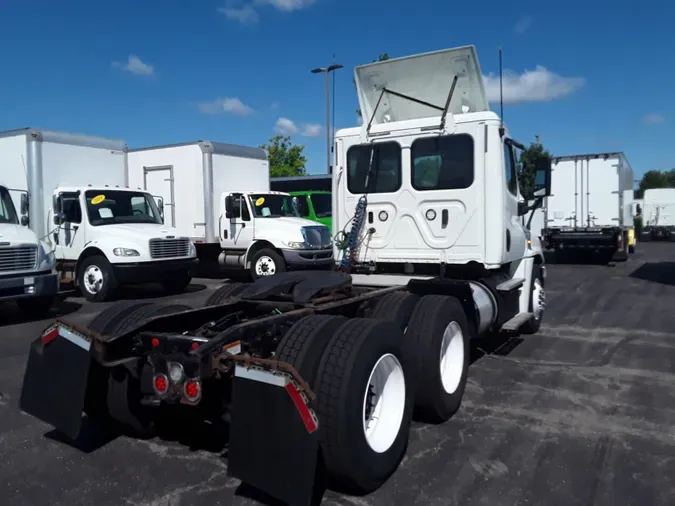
(17, 234)
(282, 230)
(138, 231)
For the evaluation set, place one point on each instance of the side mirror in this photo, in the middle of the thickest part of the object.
(523, 208)
(160, 208)
(57, 205)
(59, 218)
(294, 203)
(542, 178)
(24, 220)
(24, 203)
(638, 209)
(229, 207)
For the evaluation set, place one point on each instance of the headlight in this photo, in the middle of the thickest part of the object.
(193, 250)
(46, 257)
(125, 252)
(295, 245)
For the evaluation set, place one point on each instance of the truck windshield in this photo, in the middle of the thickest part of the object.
(111, 207)
(322, 205)
(269, 205)
(7, 210)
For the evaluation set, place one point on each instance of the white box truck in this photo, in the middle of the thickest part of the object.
(27, 266)
(591, 207)
(658, 214)
(219, 195)
(102, 234)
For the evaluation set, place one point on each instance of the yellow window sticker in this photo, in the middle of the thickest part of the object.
(260, 201)
(98, 199)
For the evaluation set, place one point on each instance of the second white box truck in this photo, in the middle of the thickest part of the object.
(658, 214)
(102, 233)
(219, 195)
(591, 207)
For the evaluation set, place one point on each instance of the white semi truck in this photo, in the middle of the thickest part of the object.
(219, 196)
(658, 214)
(591, 207)
(102, 234)
(27, 266)
(336, 364)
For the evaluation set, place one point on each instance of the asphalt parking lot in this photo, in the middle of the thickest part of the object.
(582, 413)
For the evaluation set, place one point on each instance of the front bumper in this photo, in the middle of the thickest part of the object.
(306, 259)
(149, 272)
(41, 284)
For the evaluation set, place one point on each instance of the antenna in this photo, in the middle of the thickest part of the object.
(502, 130)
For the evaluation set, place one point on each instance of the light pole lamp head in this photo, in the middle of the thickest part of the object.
(319, 70)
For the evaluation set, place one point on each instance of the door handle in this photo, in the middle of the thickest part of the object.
(444, 218)
(370, 217)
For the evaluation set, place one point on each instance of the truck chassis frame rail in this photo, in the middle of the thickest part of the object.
(277, 361)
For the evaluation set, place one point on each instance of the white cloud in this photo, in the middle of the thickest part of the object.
(523, 25)
(653, 118)
(288, 5)
(135, 66)
(311, 130)
(245, 14)
(285, 126)
(537, 85)
(231, 105)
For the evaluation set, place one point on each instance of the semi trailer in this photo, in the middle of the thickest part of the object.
(102, 233)
(220, 197)
(320, 373)
(658, 214)
(591, 207)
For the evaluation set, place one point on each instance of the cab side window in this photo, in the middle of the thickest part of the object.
(241, 209)
(510, 169)
(71, 208)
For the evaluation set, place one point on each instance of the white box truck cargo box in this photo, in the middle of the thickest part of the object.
(591, 204)
(658, 214)
(262, 232)
(102, 234)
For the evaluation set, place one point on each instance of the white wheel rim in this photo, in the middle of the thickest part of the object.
(93, 279)
(452, 357)
(538, 299)
(265, 266)
(384, 403)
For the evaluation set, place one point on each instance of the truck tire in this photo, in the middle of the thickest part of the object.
(304, 343)
(109, 318)
(363, 372)
(266, 262)
(177, 283)
(36, 307)
(439, 333)
(224, 292)
(96, 279)
(396, 307)
(537, 304)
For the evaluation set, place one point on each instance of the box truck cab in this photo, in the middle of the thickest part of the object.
(102, 234)
(27, 266)
(219, 195)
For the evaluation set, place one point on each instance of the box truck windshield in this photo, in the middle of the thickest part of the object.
(269, 205)
(7, 210)
(113, 207)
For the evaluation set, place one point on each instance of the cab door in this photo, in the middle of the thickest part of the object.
(237, 230)
(69, 236)
(514, 232)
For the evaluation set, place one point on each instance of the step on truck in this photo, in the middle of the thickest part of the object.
(658, 215)
(591, 208)
(319, 374)
(102, 233)
(27, 266)
(220, 197)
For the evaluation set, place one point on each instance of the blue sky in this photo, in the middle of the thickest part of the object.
(587, 76)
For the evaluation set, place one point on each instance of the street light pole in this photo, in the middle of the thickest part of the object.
(327, 70)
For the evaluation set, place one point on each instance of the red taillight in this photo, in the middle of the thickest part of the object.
(195, 346)
(155, 342)
(160, 383)
(192, 390)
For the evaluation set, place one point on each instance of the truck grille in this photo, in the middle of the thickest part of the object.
(169, 248)
(18, 258)
(317, 237)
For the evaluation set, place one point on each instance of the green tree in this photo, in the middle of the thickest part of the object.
(527, 165)
(286, 159)
(656, 179)
(382, 57)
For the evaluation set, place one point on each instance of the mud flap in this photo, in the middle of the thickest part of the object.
(55, 382)
(274, 439)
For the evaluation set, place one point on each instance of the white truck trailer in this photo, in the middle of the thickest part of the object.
(102, 234)
(658, 214)
(336, 364)
(591, 207)
(27, 266)
(219, 195)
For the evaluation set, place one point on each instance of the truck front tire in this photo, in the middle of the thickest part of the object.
(266, 262)
(96, 279)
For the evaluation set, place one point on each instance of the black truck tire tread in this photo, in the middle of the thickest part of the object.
(304, 344)
(425, 334)
(348, 359)
(225, 291)
(111, 316)
(397, 307)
